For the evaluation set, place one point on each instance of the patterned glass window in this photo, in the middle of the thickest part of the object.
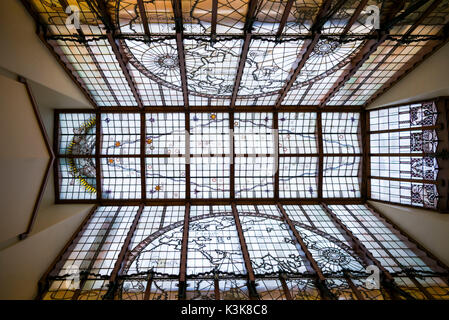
(403, 143)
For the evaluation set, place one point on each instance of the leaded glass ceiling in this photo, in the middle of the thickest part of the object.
(241, 252)
(238, 53)
(244, 155)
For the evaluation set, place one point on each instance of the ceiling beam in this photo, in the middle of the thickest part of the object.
(98, 144)
(98, 247)
(365, 186)
(325, 293)
(143, 17)
(143, 165)
(359, 248)
(213, 26)
(184, 248)
(277, 154)
(319, 137)
(359, 59)
(252, 5)
(100, 8)
(113, 282)
(285, 14)
(123, 65)
(307, 49)
(232, 155)
(393, 225)
(354, 17)
(244, 247)
(177, 11)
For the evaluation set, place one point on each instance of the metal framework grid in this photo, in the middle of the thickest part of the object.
(132, 158)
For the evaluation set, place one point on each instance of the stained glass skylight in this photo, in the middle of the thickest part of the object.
(238, 53)
(261, 261)
(214, 158)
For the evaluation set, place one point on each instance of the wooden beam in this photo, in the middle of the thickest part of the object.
(143, 144)
(353, 287)
(325, 294)
(241, 67)
(232, 153)
(219, 109)
(308, 47)
(287, 293)
(301, 242)
(213, 26)
(143, 17)
(404, 180)
(252, 5)
(276, 153)
(435, 127)
(362, 251)
(50, 162)
(113, 283)
(356, 245)
(243, 246)
(366, 158)
(359, 59)
(123, 65)
(187, 156)
(184, 248)
(372, 47)
(319, 137)
(285, 14)
(42, 32)
(64, 4)
(147, 293)
(98, 145)
(354, 17)
(304, 55)
(177, 11)
(415, 25)
(98, 250)
(391, 285)
(125, 247)
(206, 201)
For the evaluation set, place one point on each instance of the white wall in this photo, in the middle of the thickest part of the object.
(22, 160)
